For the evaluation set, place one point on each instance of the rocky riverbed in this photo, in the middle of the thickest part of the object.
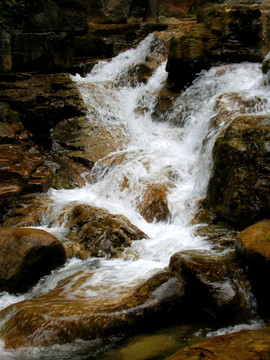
(47, 142)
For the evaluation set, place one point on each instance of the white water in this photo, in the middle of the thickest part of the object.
(151, 153)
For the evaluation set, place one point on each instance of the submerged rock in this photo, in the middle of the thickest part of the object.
(100, 233)
(253, 247)
(244, 345)
(26, 255)
(238, 190)
(215, 290)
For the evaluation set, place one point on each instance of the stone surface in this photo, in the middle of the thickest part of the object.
(215, 288)
(223, 33)
(5, 53)
(42, 101)
(238, 190)
(27, 255)
(244, 345)
(100, 233)
(55, 319)
(154, 205)
(253, 247)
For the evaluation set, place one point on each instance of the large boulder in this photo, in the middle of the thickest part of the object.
(55, 318)
(214, 290)
(253, 247)
(244, 345)
(100, 233)
(27, 255)
(238, 190)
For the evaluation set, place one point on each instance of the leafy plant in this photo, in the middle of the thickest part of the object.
(12, 13)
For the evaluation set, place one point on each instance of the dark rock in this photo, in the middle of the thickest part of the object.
(244, 345)
(42, 102)
(5, 54)
(253, 247)
(100, 233)
(238, 190)
(26, 256)
(43, 52)
(214, 289)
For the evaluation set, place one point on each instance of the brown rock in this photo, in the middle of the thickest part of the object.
(27, 211)
(244, 345)
(215, 290)
(85, 142)
(253, 247)
(154, 206)
(100, 233)
(56, 319)
(26, 256)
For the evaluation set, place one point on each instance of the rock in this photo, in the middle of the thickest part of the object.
(253, 247)
(84, 141)
(100, 233)
(27, 210)
(5, 54)
(26, 256)
(42, 101)
(154, 205)
(188, 55)
(22, 171)
(243, 345)
(43, 52)
(215, 291)
(224, 33)
(241, 197)
(55, 319)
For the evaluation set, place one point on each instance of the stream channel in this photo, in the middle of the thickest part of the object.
(173, 149)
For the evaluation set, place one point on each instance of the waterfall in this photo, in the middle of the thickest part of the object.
(174, 151)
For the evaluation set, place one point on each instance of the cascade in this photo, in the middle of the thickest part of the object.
(174, 150)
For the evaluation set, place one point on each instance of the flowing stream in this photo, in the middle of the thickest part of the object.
(173, 149)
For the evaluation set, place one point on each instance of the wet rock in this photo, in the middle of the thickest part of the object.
(165, 102)
(229, 105)
(244, 345)
(215, 290)
(55, 319)
(253, 247)
(238, 190)
(221, 236)
(22, 171)
(154, 205)
(100, 233)
(27, 210)
(26, 256)
(84, 141)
